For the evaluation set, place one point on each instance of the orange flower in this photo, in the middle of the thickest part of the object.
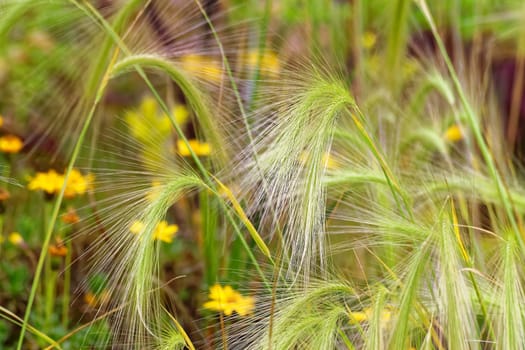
(94, 300)
(4, 194)
(70, 217)
(58, 249)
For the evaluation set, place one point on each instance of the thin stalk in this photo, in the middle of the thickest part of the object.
(397, 40)
(13, 318)
(59, 199)
(118, 25)
(516, 100)
(228, 70)
(356, 30)
(263, 29)
(247, 247)
(50, 277)
(224, 337)
(209, 229)
(345, 339)
(50, 293)
(389, 175)
(469, 260)
(67, 284)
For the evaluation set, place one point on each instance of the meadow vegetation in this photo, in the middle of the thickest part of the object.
(277, 174)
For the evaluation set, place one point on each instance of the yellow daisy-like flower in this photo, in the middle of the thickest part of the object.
(227, 300)
(15, 238)
(10, 144)
(163, 231)
(50, 182)
(202, 67)
(328, 161)
(78, 184)
(453, 134)
(269, 62)
(199, 148)
(136, 227)
(366, 314)
(369, 40)
(149, 115)
(155, 191)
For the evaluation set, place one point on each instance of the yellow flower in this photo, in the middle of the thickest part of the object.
(227, 300)
(149, 115)
(181, 114)
(202, 67)
(136, 227)
(16, 238)
(78, 184)
(366, 314)
(409, 68)
(1, 120)
(155, 191)
(10, 144)
(328, 161)
(453, 134)
(369, 40)
(269, 62)
(50, 182)
(359, 316)
(163, 231)
(199, 148)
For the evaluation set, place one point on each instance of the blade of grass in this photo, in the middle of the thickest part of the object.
(60, 197)
(11, 317)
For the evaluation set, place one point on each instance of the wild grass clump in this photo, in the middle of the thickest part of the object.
(190, 174)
